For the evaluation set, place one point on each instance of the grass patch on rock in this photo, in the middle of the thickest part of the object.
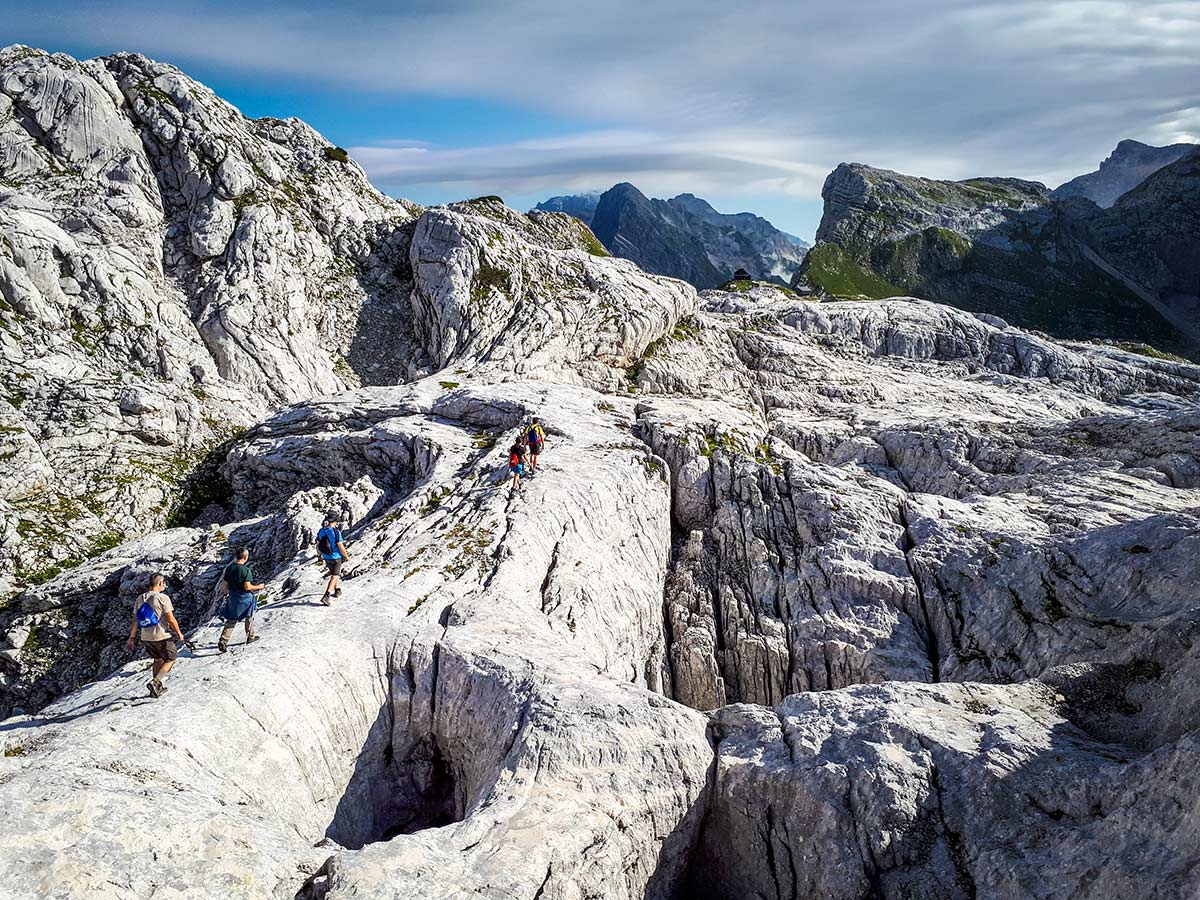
(834, 272)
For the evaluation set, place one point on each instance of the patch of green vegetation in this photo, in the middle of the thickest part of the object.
(412, 609)
(592, 244)
(199, 392)
(434, 501)
(484, 440)
(336, 154)
(486, 198)
(487, 279)
(244, 200)
(471, 544)
(687, 327)
(13, 750)
(81, 336)
(153, 92)
(449, 385)
(605, 406)
(830, 269)
(1146, 350)
(199, 480)
(341, 368)
(722, 441)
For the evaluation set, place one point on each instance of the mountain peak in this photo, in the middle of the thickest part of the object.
(1130, 163)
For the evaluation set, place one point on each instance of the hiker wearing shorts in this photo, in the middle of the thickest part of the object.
(333, 553)
(516, 464)
(152, 610)
(537, 441)
(237, 583)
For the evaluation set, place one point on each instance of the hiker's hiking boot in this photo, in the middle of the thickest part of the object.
(156, 688)
(338, 593)
(251, 638)
(326, 599)
(223, 645)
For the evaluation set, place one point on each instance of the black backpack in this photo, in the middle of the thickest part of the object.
(325, 542)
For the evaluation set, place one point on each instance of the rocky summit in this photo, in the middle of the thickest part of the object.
(684, 237)
(1046, 260)
(1131, 163)
(847, 599)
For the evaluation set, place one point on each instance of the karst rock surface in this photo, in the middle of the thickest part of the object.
(849, 599)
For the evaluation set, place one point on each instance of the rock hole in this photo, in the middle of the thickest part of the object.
(388, 796)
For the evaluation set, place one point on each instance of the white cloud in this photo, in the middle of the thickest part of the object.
(766, 97)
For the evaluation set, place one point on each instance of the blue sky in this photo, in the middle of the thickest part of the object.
(749, 106)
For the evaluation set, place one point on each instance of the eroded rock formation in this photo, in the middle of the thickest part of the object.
(858, 599)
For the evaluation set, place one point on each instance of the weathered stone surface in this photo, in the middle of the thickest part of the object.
(943, 569)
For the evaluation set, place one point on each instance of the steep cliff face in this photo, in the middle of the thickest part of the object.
(853, 599)
(1131, 163)
(673, 237)
(999, 246)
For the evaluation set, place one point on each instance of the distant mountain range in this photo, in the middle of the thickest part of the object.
(1052, 260)
(684, 237)
(1131, 163)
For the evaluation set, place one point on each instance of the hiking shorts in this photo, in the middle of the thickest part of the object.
(535, 447)
(163, 651)
(518, 469)
(333, 566)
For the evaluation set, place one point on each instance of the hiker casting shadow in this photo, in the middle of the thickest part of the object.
(153, 614)
(237, 583)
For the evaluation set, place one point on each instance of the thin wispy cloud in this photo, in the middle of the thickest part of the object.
(704, 95)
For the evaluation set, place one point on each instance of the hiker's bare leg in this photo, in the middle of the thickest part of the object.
(249, 629)
(162, 668)
(333, 585)
(156, 669)
(227, 631)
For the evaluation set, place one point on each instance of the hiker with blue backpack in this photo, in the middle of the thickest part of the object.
(151, 611)
(333, 553)
(237, 584)
(535, 437)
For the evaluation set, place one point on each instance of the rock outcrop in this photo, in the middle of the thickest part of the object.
(877, 598)
(1131, 163)
(684, 237)
(994, 245)
(169, 271)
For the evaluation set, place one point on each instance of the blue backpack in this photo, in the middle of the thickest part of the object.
(146, 616)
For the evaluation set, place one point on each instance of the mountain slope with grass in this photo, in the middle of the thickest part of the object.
(999, 246)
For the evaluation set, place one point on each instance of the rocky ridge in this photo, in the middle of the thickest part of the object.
(684, 237)
(854, 598)
(999, 246)
(1131, 163)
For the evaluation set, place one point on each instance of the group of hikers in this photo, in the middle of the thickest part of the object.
(523, 454)
(154, 619)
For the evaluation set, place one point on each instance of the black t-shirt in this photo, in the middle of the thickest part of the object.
(236, 576)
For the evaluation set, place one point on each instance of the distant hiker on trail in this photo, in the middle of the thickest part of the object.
(516, 464)
(237, 583)
(151, 610)
(333, 552)
(537, 441)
